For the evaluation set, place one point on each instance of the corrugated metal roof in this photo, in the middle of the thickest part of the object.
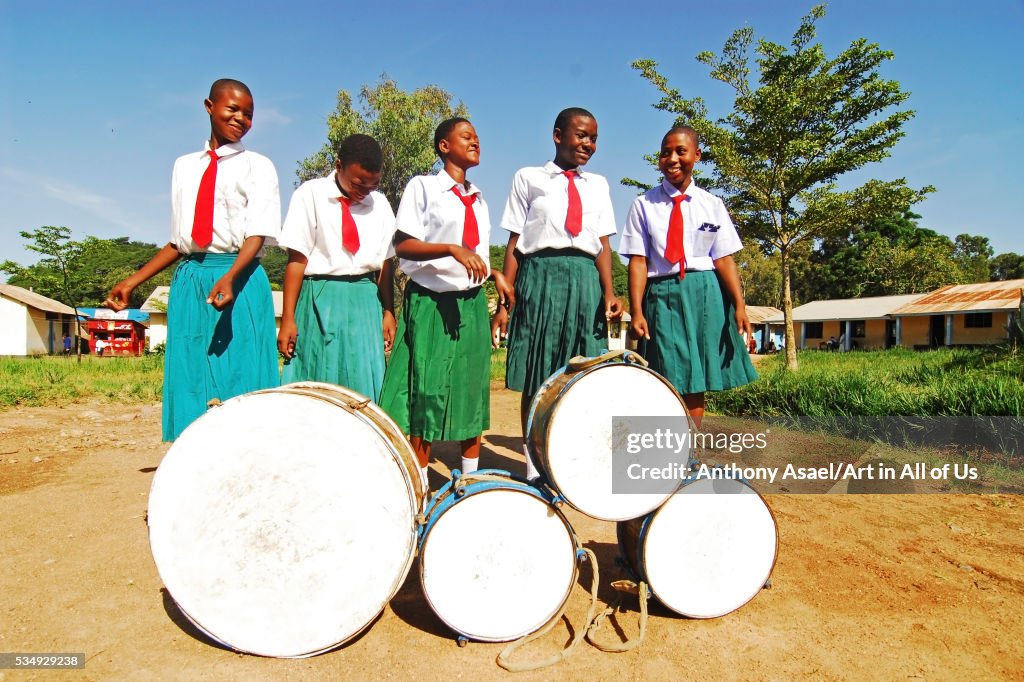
(160, 295)
(37, 301)
(758, 314)
(871, 308)
(960, 298)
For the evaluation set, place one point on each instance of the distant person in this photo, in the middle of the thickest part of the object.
(558, 261)
(832, 343)
(437, 385)
(67, 344)
(772, 347)
(101, 345)
(684, 288)
(842, 341)
(220, 316)
(339, 313)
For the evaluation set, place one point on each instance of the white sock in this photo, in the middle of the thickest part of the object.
(531, 471)
(469, 465)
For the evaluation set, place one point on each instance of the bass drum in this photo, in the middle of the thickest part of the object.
(707, 551)
(283, 521)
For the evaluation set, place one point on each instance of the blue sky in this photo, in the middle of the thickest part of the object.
(99, 98)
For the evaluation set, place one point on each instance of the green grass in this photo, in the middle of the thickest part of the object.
(498, 365)
(51, 380)
(883, 383)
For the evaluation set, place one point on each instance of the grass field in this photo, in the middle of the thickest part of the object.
(60, 381)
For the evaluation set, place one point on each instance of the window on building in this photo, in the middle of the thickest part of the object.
(858, 329)
(978, 320)
(813, 330)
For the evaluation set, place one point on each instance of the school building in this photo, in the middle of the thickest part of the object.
(32, 324)
(156, 306)
(765, 329)
(954, 315)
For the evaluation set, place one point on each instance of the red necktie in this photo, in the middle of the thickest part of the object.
(202, 223)
(349, 233)
(675, 252)
(574, 216)
(470, 230)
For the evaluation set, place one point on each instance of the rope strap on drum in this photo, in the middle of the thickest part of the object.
(504, 657)
(623, 587)
(580, 362)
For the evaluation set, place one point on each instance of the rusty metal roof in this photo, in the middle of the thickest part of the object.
(961, 298)
(37, 301)
(761, 313)
(869, 308)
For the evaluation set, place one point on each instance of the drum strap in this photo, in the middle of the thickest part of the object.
(506, 653)
(623, 587)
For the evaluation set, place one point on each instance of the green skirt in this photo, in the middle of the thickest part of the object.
(340, 340)
(559, 313)
(212, 353)
(437, 383)
(694, 342)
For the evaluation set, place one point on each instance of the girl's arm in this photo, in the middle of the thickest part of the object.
(411, 248)
(499, 324)
(637, 284)
(612, 305)
(293, 274)
(729, 277)
(120, 296)
(386, 294)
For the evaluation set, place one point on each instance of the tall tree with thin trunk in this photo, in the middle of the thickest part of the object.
(800, 121)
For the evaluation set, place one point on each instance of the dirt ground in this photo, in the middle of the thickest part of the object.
(865, 586)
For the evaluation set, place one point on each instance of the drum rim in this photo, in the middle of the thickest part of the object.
(641, 548)
(579, 374)
(411, 540)
(573, 539)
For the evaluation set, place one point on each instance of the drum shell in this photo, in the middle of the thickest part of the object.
(169, 514)
(633, 535)
(462, 489)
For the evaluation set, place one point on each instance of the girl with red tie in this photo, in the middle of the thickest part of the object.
(220, 314)
(437, 383)
(685, 296)
(558, 260)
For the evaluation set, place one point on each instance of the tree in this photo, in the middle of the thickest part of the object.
(791, 135)
(1006, 266)
(403, 123)
(972, 254)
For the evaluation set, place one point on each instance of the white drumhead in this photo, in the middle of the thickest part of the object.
(710, 549)
(498, 564)
(579, 439)
(281, 524)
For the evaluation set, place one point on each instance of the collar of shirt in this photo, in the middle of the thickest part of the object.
(225, 150)
(340, 193)
(552, 168)
(446, 183)
(671, 190)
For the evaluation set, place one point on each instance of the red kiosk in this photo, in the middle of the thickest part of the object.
(116, 333)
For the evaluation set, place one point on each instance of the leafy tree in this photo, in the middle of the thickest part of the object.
(792, 133)
(899, 268)
(403, 123)
(761, 277)
(972, 254)
(1006, 266)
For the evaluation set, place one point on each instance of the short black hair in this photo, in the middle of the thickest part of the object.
(361, 149)
(686, 130)
(222, 84)
(567, 115)
(444, 129)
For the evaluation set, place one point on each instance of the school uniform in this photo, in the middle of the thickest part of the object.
(338, 312)
(559, 310)
(437, 384)
(214, 354)
(694, 342)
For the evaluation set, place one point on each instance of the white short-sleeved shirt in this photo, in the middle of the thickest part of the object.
(539, 201)
(247, 199)
(708, 232)
(431, 212)
(313, 228)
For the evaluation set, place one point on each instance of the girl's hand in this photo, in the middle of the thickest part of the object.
(743, 322)
(120, 296)
(499, 326)
(612, 307)
(638, 327)
(388, 327)
(222, 294)
(506, 295)
(287, 337)
(475, 266)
